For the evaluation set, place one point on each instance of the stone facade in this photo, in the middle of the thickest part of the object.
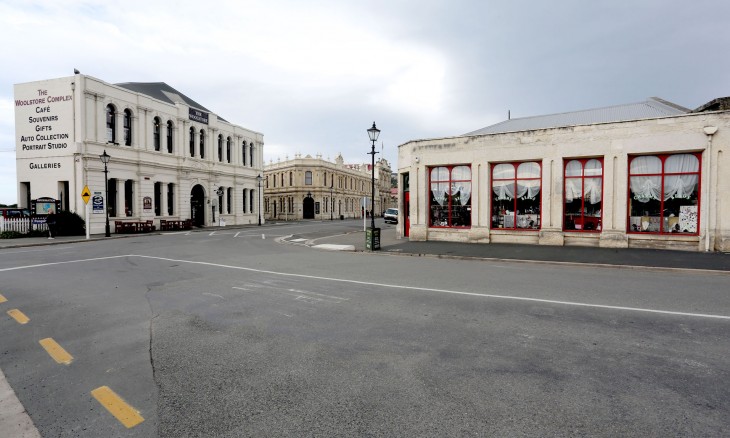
(169, 158)
(705, 135)
(314, 188)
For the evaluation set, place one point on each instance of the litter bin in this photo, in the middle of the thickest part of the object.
(342, 217)
(372, 239)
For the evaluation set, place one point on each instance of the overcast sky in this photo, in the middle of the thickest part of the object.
(312, 76)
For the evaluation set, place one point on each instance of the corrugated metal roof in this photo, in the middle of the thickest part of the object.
(651, 108)
(162, 91)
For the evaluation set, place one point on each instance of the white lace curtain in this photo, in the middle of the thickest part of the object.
(593, 186)
(646, 188)
(461, 175)
(441, 189)
(526, 188)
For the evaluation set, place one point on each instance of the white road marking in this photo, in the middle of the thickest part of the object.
(177, 233)
(236, 235)
(298, 240)
(446, 291)
(315, 293)
(389, 286)
(333, 247)
(40, 265)
(214, 295)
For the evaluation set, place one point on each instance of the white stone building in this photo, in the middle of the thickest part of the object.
(171, 158)
(650, 174)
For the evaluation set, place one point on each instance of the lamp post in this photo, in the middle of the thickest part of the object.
(373, 237)
(258, 179)
(332, 200)
(105, 159)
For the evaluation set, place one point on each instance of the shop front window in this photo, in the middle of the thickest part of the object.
(516, 195)
(583, 195)
(664, 194)
(450, 200)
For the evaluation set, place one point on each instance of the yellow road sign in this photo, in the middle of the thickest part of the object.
(86, 194)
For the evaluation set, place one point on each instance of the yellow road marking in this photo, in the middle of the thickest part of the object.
(126, 414)
(56, 351)
(18, 316)
(2, 299)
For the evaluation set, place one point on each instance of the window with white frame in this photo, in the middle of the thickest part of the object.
(169, 136)
(192, 141)
(664, 193)
(156, 140)
(202, 143)
(450, 196)
(516, 195)
(308, 178)
(111, 124)
(127, 127)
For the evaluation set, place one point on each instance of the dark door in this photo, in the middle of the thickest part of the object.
(197, 205)
(308, 208)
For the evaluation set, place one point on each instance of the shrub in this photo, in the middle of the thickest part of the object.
(69, 224)
(10, 235)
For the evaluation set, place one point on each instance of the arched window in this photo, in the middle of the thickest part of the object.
(156, 133)
(282, 179)
(220, 147)
(127, 127)
(192, 141)
(169, 136)
(228, 150)
(111, 124)
(308, 178)
(243, 153)
(243, 204)
(291, 179)
(202, 143)
(250, 161)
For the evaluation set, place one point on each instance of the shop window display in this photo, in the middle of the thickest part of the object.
(664, 194)
(450, 200)
(516, 195)
(583, 195)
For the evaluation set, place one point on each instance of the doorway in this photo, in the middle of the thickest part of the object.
(197, 205)
(308, 208)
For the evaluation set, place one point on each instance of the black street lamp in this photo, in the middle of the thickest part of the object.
(105, 159)
(258, 179)
(374, 235)
(332, 200)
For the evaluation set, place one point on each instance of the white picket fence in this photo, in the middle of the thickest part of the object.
(20, 225)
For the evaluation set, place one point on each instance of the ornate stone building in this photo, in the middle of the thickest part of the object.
(171, 158)
(314, 188)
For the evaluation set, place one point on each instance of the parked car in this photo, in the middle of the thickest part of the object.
(391, 216)
(10, 213)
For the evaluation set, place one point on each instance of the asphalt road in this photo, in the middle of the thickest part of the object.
(231, 333)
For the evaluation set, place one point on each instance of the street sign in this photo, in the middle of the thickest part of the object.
(86, 194)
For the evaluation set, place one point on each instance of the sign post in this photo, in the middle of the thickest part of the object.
(86, 195)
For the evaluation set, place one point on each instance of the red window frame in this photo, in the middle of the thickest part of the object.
(450, 218)
(662, 202)
(593, 223)
(514, 179)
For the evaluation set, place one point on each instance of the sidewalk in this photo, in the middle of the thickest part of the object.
(635, 257)
(390, 244)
